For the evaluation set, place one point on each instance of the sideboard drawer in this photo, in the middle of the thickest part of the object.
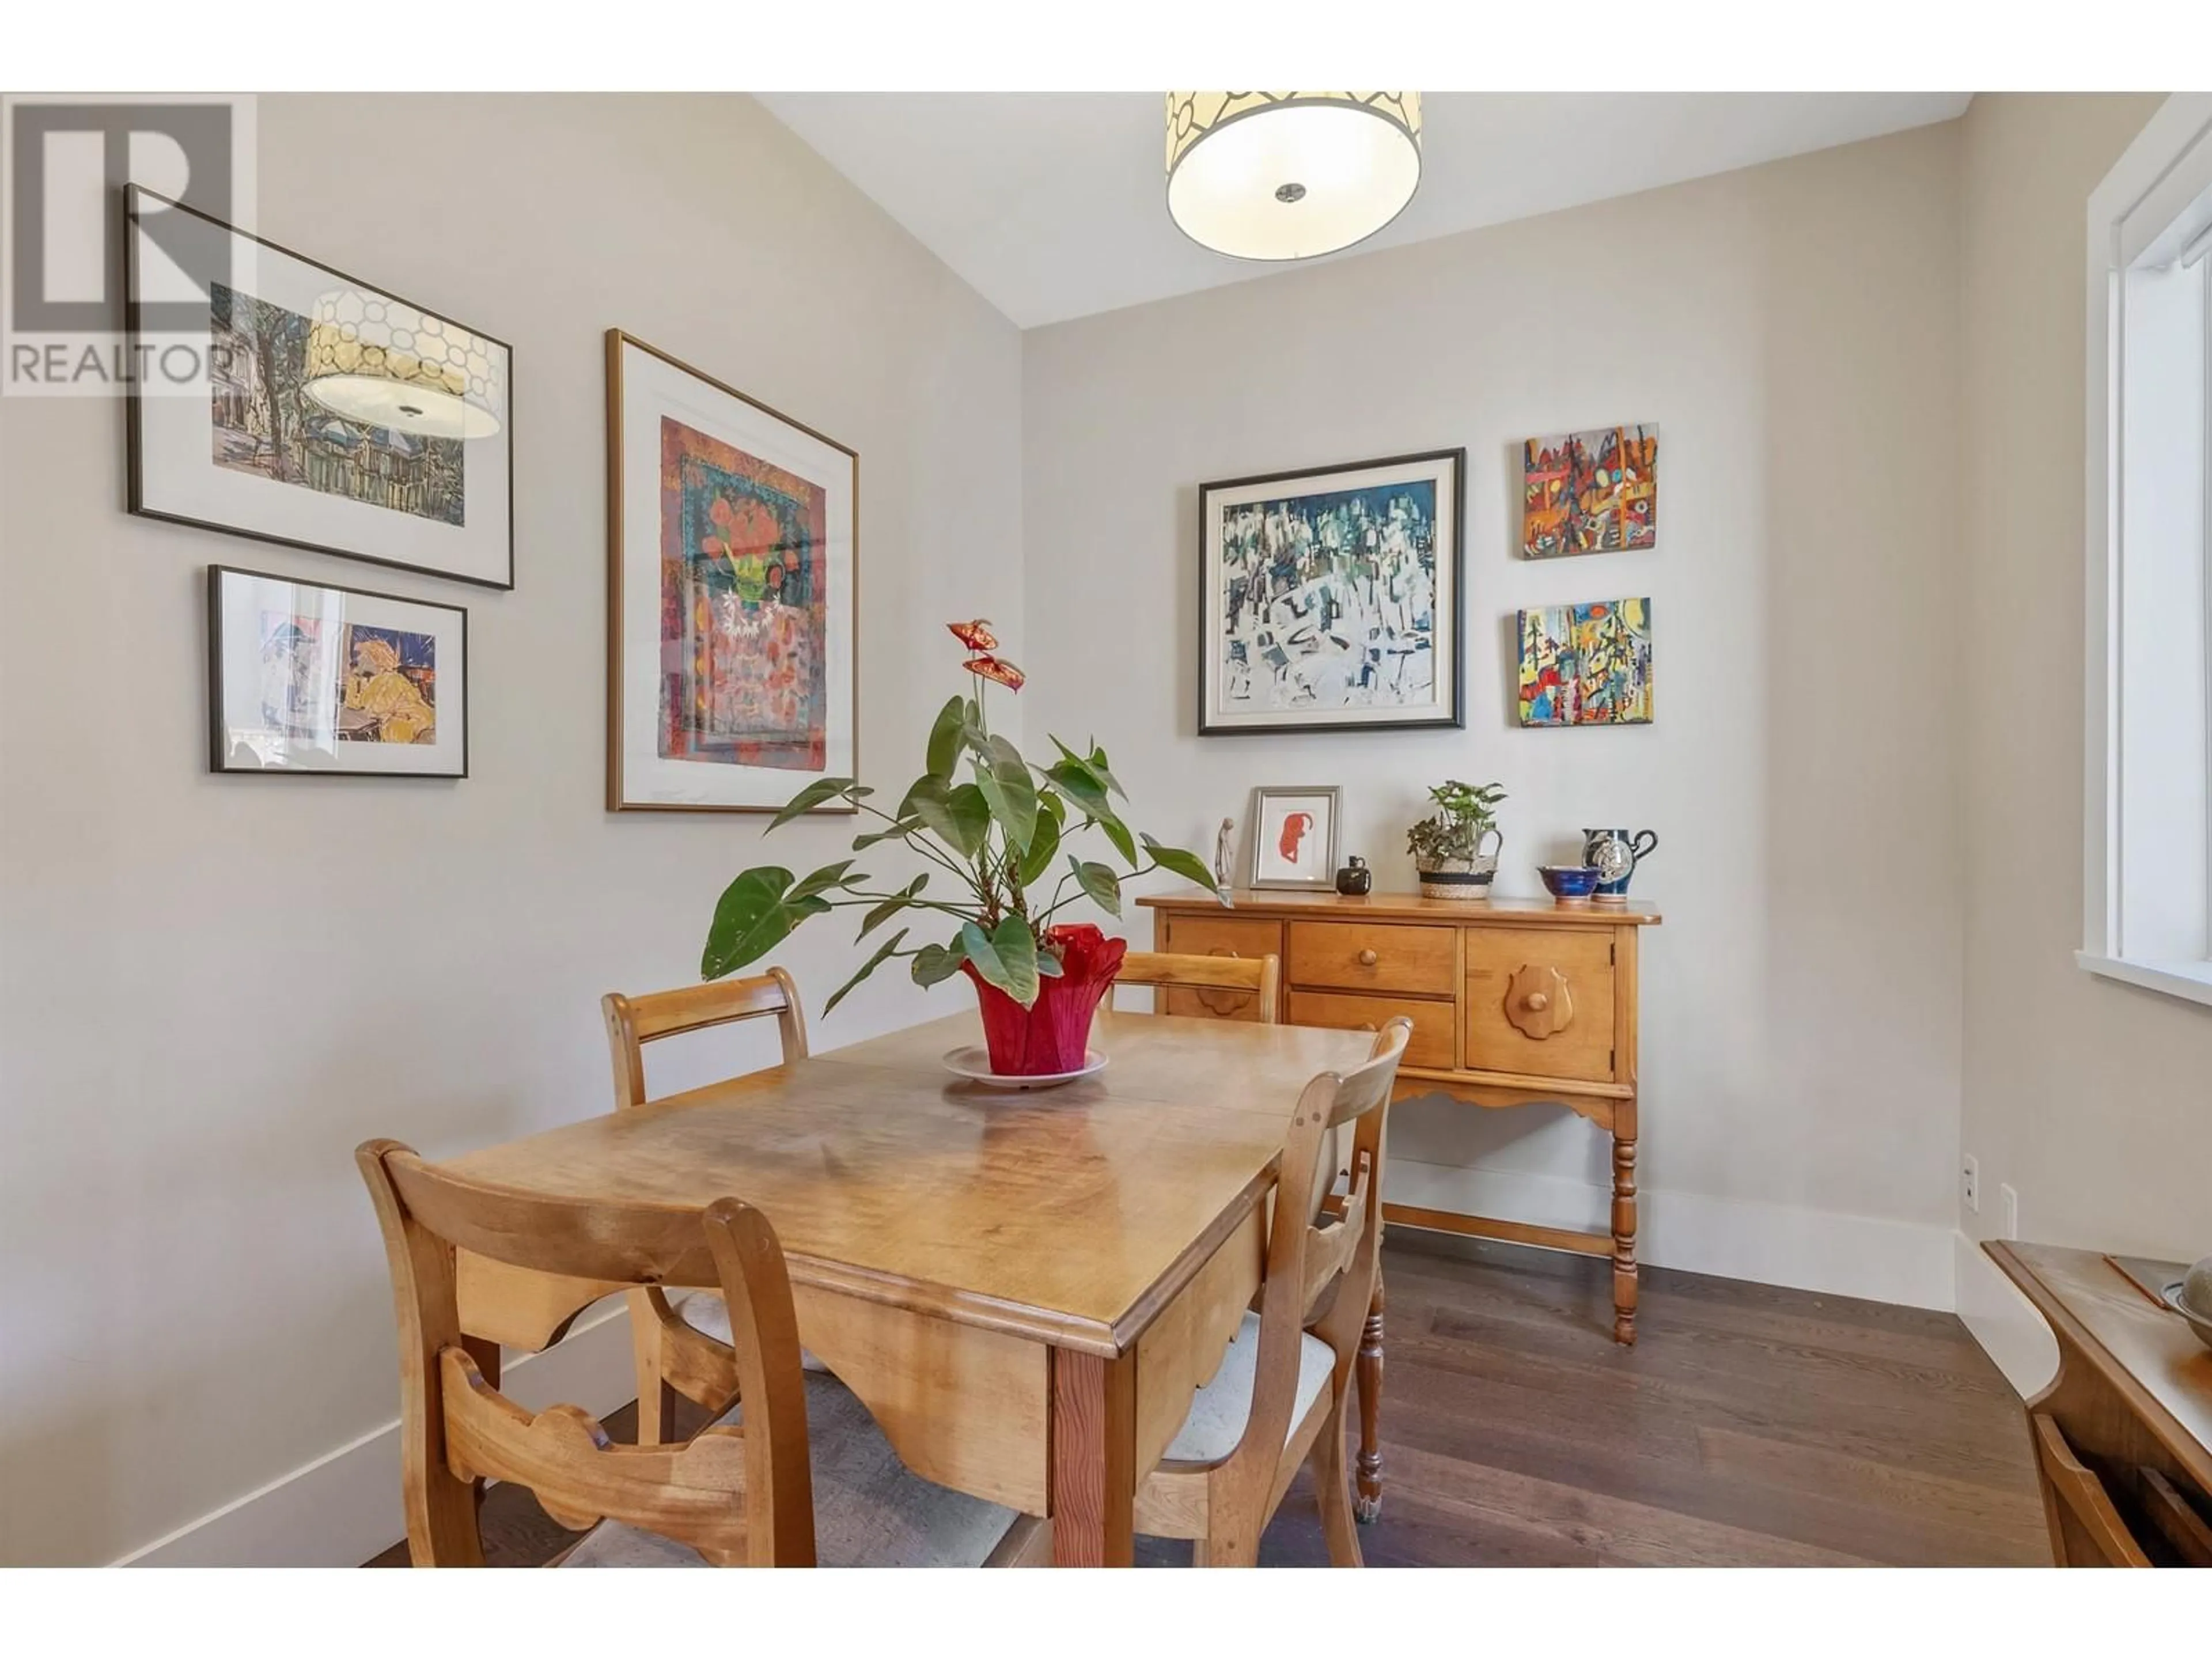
(1431, 1045)
(1358, 955)
(1540, 1002)
(1245, 937)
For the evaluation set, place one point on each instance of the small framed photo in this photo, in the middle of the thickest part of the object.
(1294, 837)
(334, 682)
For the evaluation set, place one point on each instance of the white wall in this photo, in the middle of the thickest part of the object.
(2093, 1099)
(212, 988)
(1792, 329)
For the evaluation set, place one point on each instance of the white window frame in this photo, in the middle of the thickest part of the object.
(2136, 209)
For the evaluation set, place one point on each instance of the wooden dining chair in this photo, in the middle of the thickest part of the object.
(682, 1344)
(754, 1489)
(1278, 1398)
(1223, 984)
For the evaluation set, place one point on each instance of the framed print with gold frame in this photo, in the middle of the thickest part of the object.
(733, 594)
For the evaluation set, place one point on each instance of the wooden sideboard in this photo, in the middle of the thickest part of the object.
(2123, 1435)
(1514, 1002)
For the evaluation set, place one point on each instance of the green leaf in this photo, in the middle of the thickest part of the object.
(905, 826)
(1118, 833)
(810, 797)
(1003, 778)
(1007, 958)
(1188, 865)
(1043, 844)
(1048, 966)
(933, 963)
(1073, 778)
(944, 738)
(1097, 762)
(890, 908)
(958, 816)
(751, 920)
(1099, 881)
(866, 968)
(829, 876)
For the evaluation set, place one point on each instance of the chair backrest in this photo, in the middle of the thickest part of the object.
(633, 1022)
(1223, 983)
(737, 1496)
(1319, 1273)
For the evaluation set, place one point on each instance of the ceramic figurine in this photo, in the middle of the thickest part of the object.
(1355, 880)
(1225, 856)
(1614, 855)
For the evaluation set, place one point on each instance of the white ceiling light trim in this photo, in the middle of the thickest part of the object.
(1290, 175)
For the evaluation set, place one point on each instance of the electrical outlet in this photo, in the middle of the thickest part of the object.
(1970, 1183)
(2008, 1208)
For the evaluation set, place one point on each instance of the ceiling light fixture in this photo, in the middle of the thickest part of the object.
(1290, 175)
(379, 360)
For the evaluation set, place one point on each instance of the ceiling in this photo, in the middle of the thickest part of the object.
(1053, 205)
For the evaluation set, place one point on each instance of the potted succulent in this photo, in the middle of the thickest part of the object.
(998, 844)
(1447, 847)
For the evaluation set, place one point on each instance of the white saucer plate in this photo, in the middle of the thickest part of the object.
(975, 1065)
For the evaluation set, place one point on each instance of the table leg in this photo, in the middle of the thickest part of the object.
(1623, 1222)
(1093, 1477)
(1367, 1372)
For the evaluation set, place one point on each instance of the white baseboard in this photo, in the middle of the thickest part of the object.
(344, 1507)
(1819, 1250)
(2003, 1320)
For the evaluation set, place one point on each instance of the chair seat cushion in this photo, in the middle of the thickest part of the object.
(1219, 1410)
(705, 1312)
(870, 1509)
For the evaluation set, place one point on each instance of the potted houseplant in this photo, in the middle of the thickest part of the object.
(998, 844)
(1446, 846)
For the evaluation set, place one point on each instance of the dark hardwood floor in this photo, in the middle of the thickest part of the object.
(1749, 1425)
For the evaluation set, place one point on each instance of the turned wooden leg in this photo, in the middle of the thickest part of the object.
(1368, 1372)
(1624, 1223)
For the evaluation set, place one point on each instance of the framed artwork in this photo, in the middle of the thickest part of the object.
(1587, 664)
(732, 597)
(1589, 492)
(1330, 599)
(291, 403)
(1294, 837)
(316, 681)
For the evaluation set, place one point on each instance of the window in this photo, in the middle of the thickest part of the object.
(2148, 910)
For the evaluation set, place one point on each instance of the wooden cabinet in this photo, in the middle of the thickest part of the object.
(1513, 1001)
(1218, 933)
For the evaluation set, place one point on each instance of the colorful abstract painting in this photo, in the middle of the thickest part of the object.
(264, 422)
(1333, 603)
(391, 690)
(744, 607)
(1587, 664)
(1589, 492)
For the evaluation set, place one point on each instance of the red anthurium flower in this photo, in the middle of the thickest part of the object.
(992, 668)
(975, 635)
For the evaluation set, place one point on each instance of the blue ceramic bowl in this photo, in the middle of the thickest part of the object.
(1570, 881)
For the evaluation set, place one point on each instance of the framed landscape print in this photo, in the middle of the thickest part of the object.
(733, 604)
(278, 398)
(333, 681)
(1294, 835)
(1330, 599)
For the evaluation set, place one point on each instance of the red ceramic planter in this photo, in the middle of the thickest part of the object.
(1052, 1035)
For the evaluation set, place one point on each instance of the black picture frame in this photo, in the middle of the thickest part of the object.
(219, 754)
(135, 501)
(1447, 468)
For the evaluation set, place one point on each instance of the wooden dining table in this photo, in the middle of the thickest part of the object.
(1024, 1288)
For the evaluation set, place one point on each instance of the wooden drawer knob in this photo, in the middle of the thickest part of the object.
(1538, 1003)
(1367, 957)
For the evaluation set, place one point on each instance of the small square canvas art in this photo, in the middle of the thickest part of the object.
(1587, 664)
(1589, 492)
